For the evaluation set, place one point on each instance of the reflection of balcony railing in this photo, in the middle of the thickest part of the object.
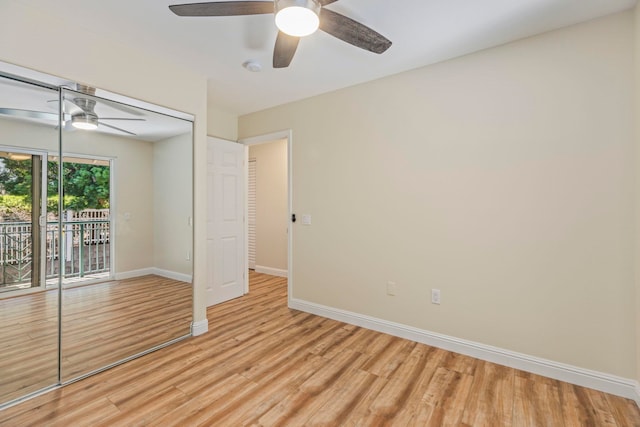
(15, 253)
(85, 249)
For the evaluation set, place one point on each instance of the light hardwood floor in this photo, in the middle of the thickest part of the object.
(102, 324)
(263, 364)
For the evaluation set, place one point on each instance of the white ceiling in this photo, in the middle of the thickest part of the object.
(422, 31)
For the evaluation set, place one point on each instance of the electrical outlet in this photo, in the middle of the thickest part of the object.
(392, 288)
(435, 296)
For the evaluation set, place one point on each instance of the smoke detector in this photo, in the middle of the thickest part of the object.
(253, 66)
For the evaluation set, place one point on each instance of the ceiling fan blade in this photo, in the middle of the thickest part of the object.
(284, 50)
(353, 32)
(122, 118)
(69, 106)
(67, 126)
(28, 114)
(223, 8)
(326, 2)
(118, 129)
(72, 108)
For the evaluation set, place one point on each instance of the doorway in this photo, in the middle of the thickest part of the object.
(268, 218)
(270, 205)
(228, 225)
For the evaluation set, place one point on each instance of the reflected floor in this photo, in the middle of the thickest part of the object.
(102, 324)
(28, 343)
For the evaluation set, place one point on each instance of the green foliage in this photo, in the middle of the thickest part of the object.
(15, 208)
(86, 186)
(12, 203)
(15, 177)
(52, 203)
(89, 184)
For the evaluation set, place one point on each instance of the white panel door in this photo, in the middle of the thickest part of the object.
(225, 220)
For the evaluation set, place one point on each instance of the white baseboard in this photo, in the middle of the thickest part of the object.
(153, 270)
(572, 374)
(200, 327)
(134, 273)
(172, 275)
(271, 271)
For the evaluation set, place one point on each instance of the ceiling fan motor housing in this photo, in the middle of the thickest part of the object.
(312, 5)
(86, 104)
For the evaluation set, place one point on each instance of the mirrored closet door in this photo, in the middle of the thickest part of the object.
(127, 209)
(95, 232)
(28, 306)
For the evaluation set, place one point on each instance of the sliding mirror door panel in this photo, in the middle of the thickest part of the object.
(29, 239)
(127, 235)
(96, 232)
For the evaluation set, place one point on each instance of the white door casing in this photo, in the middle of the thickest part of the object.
(226, 264)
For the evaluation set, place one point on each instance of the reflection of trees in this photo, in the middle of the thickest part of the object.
(15, 177)
(86, 186)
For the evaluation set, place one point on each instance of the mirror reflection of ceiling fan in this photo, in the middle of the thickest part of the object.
(79, 112)
(294, 19)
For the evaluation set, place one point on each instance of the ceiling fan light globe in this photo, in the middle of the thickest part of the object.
(298, 18)
(84, 122)
(84, 126)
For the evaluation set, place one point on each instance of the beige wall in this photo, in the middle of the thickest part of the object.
(172, 201)
(31, 38)
(21, 134)
(503, 178)
(221, 124)
(271, 204)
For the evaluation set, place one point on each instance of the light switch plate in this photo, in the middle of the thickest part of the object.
(435, 296)
(306, 219)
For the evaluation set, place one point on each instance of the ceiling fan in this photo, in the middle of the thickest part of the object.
(294, 19)
(79, 111)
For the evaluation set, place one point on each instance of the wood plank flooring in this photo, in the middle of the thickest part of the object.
(102, 323)
(262, 364)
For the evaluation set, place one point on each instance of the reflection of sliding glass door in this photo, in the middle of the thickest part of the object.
(23, 213)
(86, 219)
